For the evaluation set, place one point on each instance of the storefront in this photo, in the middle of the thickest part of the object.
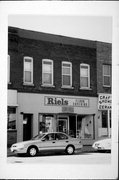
(38, 113)
(11, 116)
(104, 115)
(73, 124)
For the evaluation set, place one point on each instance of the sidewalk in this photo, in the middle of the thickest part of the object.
(85, 149)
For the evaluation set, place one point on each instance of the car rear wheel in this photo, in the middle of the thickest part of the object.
(70, 150)
(32, 151)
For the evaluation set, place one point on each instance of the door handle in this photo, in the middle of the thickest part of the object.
(53, 142)
(67, 141)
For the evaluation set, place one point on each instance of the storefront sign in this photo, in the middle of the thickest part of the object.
(63, 101)
(104, 101)
(66, 109)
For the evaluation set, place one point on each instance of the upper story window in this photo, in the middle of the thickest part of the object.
(107, 75)
(8, 69)
(84, 76)
(28, 70)
(47, 72)
(66, 74)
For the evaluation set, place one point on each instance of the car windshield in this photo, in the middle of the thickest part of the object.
(39, 136)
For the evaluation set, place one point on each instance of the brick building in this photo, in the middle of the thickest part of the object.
(52, 85)
(104, 88)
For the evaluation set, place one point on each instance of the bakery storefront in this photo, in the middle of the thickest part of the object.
(70, 119)
(74, 115)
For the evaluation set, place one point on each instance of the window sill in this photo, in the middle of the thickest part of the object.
(89, 89)
(67, 87)
(28, 84)
(48, 86)
(106, 86)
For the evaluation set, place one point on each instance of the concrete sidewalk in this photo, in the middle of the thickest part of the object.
(85, 149)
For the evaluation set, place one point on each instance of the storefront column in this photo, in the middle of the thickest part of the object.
(20, 127)
(35, 124)
(93, 126)
(108, 127)
(76, 126)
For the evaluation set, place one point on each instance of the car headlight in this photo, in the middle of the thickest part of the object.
(19, 146)
(97, 144)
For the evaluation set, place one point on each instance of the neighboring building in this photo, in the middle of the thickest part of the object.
(52, 85)
(104, 88)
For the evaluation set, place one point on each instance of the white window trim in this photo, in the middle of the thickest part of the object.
(52, 84)
(28, 83)
(106, 75)
(67, 86)
(83, 64)
(8, 70)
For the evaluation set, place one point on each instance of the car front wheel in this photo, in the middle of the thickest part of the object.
(32, 151)
(70, 150)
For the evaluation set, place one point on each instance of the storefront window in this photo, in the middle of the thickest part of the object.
(46, 123)
(11, 112)
(85, 127)
(104, 119)
(104, 129)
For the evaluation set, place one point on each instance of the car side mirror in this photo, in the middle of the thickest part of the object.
(43, 139)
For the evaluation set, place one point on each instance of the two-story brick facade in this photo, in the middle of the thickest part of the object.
(52, 85)
(104, 86)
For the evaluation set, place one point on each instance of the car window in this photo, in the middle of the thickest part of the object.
(49, 137)
(60, 136)
(38, 136)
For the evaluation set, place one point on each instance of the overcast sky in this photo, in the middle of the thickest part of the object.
(85, 27)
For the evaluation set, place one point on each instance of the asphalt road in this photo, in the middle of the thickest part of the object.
(77, 158)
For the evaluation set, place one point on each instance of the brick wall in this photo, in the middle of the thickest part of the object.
(58, 52)
(104, 56)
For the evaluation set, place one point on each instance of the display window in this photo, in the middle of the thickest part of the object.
(85, 127)
(11, 117)
(46, 123)
(73, 125)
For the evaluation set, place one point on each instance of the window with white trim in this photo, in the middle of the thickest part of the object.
(66, 74)
(8, 69)
(47, 72)
(107, 75)
(28, 70)
(84, 76)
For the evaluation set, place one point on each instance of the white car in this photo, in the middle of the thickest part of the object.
(55, 141)
(102, 145)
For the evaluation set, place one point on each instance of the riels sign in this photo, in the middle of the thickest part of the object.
(64, 101)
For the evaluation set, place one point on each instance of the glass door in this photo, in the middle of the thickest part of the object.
(62, 124)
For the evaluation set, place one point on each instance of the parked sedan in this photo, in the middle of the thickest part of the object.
(55, 141)
(102, 145)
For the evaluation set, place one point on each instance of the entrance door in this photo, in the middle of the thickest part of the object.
(72, 126)
(27, 126)
(63, 124)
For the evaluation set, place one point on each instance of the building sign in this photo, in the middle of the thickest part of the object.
(104, 101)
(63, 101)
(66, 109)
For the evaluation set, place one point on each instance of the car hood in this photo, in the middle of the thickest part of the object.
(25, 142)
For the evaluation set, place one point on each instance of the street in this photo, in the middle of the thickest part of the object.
(77, 158)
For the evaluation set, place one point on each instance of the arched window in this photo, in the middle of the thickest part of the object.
(8, 69)
(28, 70)
(84, 76)
(66, 74)
(47, 72)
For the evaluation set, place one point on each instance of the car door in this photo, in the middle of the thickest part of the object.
(61, 141)
(47, 142)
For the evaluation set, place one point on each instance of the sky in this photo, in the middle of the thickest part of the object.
(84, 27)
